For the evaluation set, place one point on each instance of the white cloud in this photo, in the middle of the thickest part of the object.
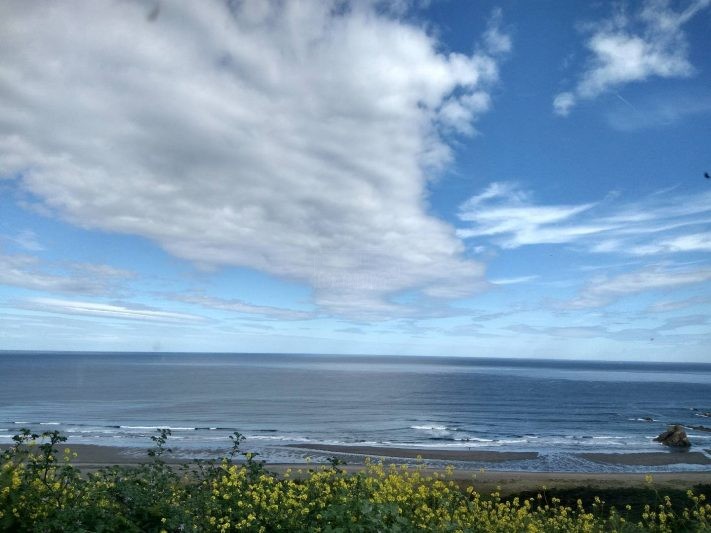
(507, 212)
(664, 223)
(660, 333)
(697, 242)
(514, 281)
(568, 332)
(604, 290)
(25, 239)
(295, 138)
(132, 312)
(28, 272)
(563, 103)
(495, 40)
(238, 306)
(673, 305)
(632, 48)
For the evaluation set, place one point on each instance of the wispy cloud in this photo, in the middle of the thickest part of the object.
(615, 332)
(26, 240)
(240, 307)
(666, 333)
(514, 281)
(506, 211)
(568, 332)
(604, 290)
(673, 305)
(696, 242)
(26, 271)
(294, 138)
(658, 224)
(632, 47)
(101, 310)
(658, 111)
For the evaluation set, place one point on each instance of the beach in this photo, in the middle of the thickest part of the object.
(492, 414)
(414, 453)
(90, 454)
(92, 457)
(630, 459)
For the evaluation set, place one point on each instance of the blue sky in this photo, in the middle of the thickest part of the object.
(519, 179)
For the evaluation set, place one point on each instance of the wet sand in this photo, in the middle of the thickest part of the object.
(90, 454)
(424, 453)
(648, 459)
(661, 458)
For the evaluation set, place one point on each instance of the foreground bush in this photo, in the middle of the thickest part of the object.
(41, 491)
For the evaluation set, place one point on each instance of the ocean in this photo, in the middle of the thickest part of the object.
(556, 408)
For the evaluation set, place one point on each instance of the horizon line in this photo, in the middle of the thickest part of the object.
(4, 351)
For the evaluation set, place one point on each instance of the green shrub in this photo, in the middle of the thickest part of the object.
(40, 490)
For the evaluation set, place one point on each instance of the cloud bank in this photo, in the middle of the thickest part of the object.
(295, 138)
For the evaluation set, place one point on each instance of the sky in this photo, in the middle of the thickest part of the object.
(455, 178)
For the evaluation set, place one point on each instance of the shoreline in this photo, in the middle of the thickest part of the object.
(91, 457)
(656, 458)
(486, 456)
(94, 454)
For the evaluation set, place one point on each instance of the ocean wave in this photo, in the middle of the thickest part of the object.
(430, 428)
(281, 438)
(447, 445)
(155, 428)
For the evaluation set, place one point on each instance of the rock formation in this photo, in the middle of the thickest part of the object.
(674, 436)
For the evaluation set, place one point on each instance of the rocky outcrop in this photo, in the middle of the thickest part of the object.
(674, 436)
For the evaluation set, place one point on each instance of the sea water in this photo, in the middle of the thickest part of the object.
(556, 408)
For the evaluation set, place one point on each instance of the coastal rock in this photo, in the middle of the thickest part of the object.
(674, 436)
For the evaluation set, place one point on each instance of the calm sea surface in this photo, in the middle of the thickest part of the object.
(556, 408)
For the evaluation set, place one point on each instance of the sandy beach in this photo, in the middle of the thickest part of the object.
(660, 458)
(424, 453)
(90, 457)
(89, 454)
(648, 459)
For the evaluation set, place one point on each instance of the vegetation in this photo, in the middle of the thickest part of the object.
(40, 490)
